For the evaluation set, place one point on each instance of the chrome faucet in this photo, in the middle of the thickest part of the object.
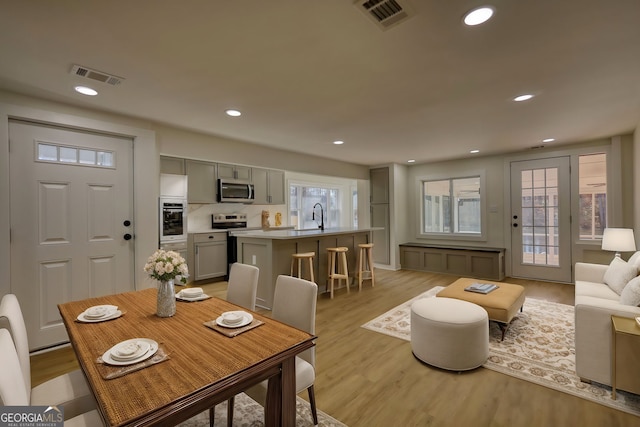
(313, 215)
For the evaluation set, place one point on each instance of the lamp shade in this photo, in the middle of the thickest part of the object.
(618, 240)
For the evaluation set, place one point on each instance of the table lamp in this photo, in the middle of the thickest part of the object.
(618, 240)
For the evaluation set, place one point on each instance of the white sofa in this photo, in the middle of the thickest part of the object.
(595, 302)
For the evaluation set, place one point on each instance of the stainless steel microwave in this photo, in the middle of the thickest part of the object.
(232, 191)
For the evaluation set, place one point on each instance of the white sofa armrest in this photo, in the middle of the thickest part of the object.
(593, 335)
(588, 272)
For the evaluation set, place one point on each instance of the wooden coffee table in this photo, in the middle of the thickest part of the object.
(501, 304)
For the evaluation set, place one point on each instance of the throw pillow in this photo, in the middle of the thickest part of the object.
(635, 260)
(619, 274)
(631, 293)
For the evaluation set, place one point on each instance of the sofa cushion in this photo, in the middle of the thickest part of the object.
(619, 274)
(595, 290)
(635, 260)
(631, 293)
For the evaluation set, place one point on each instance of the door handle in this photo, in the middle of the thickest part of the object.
(127, 236)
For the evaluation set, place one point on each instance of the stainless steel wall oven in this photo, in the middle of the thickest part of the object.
(173, 220)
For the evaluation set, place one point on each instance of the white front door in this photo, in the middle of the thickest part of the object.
(541, 220)
(71, 221)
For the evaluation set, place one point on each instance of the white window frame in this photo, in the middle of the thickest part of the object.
(482, 236)
(345, 188)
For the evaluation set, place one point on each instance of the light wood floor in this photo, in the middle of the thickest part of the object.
(369, 379)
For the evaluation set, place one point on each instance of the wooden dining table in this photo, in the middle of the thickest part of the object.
(203, 367)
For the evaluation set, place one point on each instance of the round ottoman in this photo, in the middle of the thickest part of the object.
(449, 333)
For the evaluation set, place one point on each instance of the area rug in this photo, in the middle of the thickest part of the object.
(538, 347)
(248, 413)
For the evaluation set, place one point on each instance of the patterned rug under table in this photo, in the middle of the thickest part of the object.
(248, 413)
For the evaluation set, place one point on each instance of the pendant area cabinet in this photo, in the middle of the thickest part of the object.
(201, 182)
(268, 185)
(226, 171)
(172, 165)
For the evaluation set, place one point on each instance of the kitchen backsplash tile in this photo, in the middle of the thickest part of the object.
(199, 215)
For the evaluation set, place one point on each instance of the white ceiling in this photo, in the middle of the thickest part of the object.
(305, 73)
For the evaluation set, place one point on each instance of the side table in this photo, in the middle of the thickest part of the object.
(625, 360)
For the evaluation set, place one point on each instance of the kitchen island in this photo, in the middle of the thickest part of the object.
(271, 250)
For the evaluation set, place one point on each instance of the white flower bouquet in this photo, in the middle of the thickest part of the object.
(167, 265)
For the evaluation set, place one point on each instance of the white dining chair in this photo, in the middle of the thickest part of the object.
(294, 303)
(243, 285)
(14, 393)
(69, 390)
(241, 290)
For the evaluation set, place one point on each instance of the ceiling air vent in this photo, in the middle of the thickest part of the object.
(88, 73)
(386, 13)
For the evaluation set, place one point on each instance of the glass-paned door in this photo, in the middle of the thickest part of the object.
(540, 219)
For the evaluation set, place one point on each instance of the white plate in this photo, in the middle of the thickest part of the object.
(129, 350)
(246, 319)
(114, 315)
(153, 347)
(198, 298)
(191, 292)
(99, 311)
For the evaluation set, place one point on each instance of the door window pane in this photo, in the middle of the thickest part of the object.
(540, 242)
(47, 152)
(74, 155)
(68, 155)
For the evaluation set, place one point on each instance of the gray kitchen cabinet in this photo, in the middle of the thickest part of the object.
(380, 214)
(202, 186)
(227, 171)
(172, 165)
(268, 185)
(210, 255)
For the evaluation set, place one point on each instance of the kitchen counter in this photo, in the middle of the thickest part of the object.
(281, 234)
(270, 250)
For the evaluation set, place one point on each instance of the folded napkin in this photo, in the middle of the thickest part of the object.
(232, 332)
(109, 372)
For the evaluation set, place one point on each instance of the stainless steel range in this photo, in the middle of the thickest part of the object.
(234, 221)
(228, 221)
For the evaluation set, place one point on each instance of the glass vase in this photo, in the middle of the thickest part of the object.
(166, 299)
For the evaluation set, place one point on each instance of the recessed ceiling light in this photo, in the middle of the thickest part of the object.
(86, 90)
(233, 113)
(474, 151)
(411, 161)
(479, 15)
(524, 97)
(338, 142)
(548, 140)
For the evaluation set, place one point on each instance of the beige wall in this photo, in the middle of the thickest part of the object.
(623, 195)
(150, 140)
(404, 196)
(183, 143)
(145, 180)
